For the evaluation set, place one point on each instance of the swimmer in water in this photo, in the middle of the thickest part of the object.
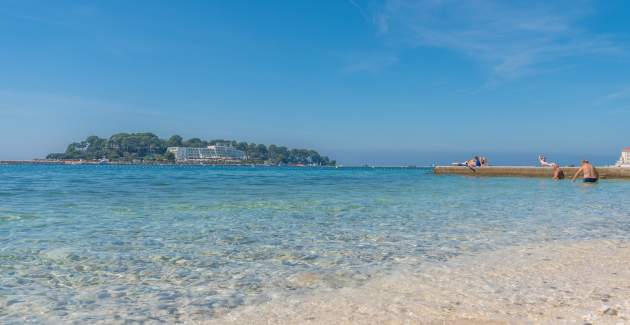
(589, 171)
(558, 174)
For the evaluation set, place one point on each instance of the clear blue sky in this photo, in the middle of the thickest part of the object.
(391, 81)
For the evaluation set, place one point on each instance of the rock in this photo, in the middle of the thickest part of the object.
(611, 312)
(606, 310)
(103, 295)
(181, 261)
(13, 301)
(168, 296)
(233, 302)
(57, 254)
(306, 279)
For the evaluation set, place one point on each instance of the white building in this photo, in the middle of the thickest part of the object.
(215, 152)
(226, 152)
(624, 161)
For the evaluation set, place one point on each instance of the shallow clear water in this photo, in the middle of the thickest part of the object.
(166, 243)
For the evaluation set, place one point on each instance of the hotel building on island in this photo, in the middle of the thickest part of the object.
(214, 152)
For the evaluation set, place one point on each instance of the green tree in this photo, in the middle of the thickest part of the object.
(195, 143)
(148, 146)
(175, 141)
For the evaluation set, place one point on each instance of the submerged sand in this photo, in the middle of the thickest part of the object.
(550, 283)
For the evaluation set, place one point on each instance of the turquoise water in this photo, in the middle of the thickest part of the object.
(167, 244)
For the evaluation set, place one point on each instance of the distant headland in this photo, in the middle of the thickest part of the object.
(151, 149)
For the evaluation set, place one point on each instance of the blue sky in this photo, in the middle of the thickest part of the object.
(386, 82)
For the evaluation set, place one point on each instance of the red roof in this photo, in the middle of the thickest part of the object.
(626, 149)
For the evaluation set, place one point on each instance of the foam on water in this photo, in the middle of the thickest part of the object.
(124, 243)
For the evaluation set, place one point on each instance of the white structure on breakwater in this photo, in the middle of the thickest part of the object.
(215, 152)
(624, 161)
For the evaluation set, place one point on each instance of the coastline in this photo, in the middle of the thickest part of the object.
(549, 283)
(143, 163)
(195, 163)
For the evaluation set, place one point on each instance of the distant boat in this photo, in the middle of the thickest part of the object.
(103, 161)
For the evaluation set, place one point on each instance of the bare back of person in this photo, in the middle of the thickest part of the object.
(590, 174)
(589, 171)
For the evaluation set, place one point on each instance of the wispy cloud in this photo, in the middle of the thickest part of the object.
(32, 104)
(362, 11)
(67, 18)
(621, 93)
(64, 17)
(511, 40)
(372, 63)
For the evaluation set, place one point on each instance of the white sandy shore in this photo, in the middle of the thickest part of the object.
(551, 283)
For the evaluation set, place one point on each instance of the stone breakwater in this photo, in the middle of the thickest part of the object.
(604, 172)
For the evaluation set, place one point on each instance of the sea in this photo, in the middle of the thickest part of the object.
(166, 244)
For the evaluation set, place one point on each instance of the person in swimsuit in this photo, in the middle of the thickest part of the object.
(543, 161)
(558, 174)
(477, 161)
(471, 164)
(589, 171)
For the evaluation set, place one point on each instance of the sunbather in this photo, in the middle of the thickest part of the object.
(544, 163)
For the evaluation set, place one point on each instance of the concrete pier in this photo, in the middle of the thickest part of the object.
(517, 171)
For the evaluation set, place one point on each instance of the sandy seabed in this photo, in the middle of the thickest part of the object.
(549, 283)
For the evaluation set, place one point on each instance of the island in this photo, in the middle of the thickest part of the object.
(149, 148)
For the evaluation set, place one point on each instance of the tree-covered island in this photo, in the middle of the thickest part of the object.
(148, 147)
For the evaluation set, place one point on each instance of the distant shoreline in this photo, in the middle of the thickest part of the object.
(155, 163)
(196, 163)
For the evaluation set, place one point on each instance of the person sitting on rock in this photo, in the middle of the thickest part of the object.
(473, 163)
